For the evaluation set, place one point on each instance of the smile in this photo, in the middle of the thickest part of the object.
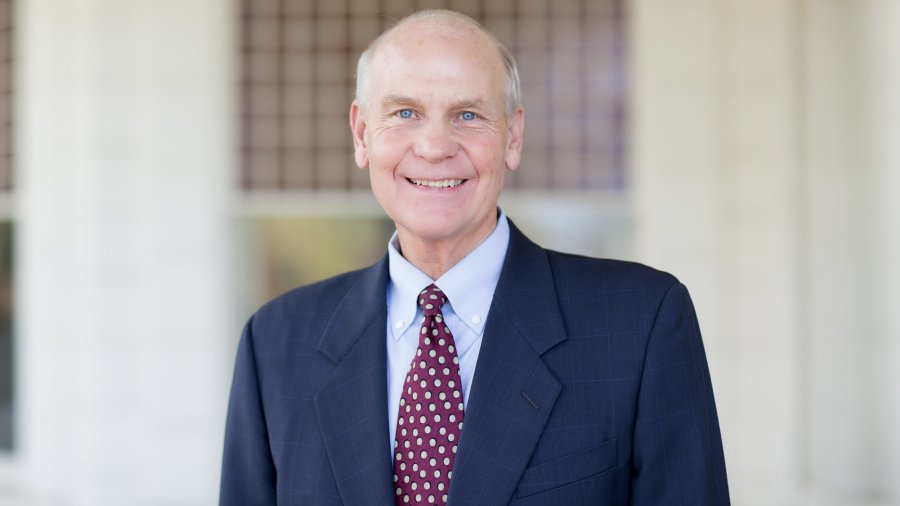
(440, 183)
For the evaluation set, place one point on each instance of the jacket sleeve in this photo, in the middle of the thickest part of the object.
(678, 456)
(248, 471)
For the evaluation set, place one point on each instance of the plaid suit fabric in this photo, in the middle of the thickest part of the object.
(591, 387)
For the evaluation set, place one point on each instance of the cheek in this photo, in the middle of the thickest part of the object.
(487, 155)
(388, 146)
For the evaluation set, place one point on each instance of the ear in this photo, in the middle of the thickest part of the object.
(514, 141)
(358, 127)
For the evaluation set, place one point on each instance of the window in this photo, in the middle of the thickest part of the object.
(6, 338)
(299, 60)
(7, 368)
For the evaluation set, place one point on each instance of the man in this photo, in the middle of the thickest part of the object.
(469, 366)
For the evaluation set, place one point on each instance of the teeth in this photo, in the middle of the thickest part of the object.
(443, 183)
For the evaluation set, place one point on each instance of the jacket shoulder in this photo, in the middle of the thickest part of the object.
(607, 273)
(298, 317)
(327, 292)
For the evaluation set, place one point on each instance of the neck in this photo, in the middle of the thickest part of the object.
(435, 257)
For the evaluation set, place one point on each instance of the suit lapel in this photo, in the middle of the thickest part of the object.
(513, 391)
(352, 405)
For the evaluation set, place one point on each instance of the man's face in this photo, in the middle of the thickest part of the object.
(434, 135)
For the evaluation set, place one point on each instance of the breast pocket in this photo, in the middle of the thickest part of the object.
(569, 470)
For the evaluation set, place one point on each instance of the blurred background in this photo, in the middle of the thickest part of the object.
(167, 166)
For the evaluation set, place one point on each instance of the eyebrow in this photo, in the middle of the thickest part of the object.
(391, 101)
(471, 104)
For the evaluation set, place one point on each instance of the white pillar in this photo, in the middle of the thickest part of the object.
(125, 120)
(854, 244)
(843, 376)
(715, 162)
(882, 49)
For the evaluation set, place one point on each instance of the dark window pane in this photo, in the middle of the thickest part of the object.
(6, 338)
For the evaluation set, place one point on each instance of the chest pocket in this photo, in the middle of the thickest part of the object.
(568, 469)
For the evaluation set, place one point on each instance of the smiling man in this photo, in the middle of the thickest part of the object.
(437, 132)
(468, 366)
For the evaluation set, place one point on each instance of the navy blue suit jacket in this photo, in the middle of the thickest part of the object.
(591, 387)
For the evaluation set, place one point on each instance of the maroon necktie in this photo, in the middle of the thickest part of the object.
(431, 412)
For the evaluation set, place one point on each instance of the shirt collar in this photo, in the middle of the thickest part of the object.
(469, 284)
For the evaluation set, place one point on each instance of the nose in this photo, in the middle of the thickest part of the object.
(435, 142)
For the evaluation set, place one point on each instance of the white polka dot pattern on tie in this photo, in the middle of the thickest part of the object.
(425, 446)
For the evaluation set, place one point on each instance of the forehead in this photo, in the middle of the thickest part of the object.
(437, 55)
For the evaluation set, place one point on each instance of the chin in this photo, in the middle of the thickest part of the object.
(432, 230)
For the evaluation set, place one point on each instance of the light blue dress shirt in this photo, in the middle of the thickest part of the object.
(469, 286)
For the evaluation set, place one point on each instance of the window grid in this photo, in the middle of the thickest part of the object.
(6, 89)
(299, 58)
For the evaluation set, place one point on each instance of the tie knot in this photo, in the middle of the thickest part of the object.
(431, 300)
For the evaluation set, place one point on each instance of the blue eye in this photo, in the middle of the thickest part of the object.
(468, 116)
(405, 113)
